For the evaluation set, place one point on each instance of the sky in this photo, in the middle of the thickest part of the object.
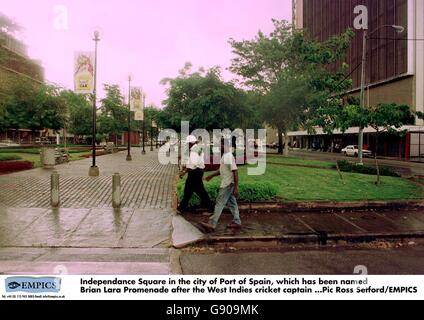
(149, 39)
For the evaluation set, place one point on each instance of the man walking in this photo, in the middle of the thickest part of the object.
(194, 184)
(228, 191)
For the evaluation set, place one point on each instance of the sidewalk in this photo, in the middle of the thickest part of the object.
(86, 235)
(145, 184)
(316, 227)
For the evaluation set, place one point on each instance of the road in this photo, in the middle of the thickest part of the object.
(407, 260)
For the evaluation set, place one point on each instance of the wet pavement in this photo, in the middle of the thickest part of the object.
(86, 235)
(145, 184)
(407, 260)
(257, 225)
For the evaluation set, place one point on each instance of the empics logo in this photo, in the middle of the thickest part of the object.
(33, 285)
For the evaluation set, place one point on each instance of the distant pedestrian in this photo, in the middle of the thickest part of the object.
(228, 191)
(194, 183)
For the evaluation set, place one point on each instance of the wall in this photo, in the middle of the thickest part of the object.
(387, 58)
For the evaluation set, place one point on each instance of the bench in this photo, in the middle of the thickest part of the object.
(61, 156)
(111, 148)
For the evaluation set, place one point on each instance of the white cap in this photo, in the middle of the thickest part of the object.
(191, 139)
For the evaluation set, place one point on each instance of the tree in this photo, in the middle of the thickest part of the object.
(114, 112)
(382, 118)
(8, 26)
(29, 105)
(287, 98)
(80, 113)
(206, 101)
(288, 58)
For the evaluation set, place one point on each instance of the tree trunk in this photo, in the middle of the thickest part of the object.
(376, 160)
(286, 143)
(280, 141)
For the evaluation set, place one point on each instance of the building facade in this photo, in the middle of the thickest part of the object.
(394, 69)
(15, 65)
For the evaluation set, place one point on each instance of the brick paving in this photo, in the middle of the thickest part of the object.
(146, 184)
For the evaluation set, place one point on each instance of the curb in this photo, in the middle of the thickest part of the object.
(321, 239)
(290, 207)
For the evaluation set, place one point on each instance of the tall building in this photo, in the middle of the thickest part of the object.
(15, 65)
(395, 62)
(15, 62)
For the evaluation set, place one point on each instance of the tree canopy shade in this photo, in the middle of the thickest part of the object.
(80, 113)
(114, 112)
(203, 99)
(294, 74)
(382, 118)
(29, 105)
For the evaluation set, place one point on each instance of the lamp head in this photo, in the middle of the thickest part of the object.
(96, 35)
(398, 29)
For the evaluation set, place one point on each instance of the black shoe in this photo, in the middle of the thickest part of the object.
(208, 227)
(234, 226)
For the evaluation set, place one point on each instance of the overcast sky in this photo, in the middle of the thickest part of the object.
(151, 39)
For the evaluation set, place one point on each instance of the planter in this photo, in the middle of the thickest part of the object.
(48, 158)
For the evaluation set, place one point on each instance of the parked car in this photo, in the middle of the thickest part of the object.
(8, 143)
(353, 151)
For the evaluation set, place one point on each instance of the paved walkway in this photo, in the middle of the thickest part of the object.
(145, 184)
(313, 226)
(86, 235)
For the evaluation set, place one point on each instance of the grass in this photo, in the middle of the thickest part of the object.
(9, 157)
(36, 151)
(307, 184)
(35, 157)
(295, 184)
(301, 162)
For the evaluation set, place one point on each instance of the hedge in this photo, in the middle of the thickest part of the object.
(9, 157)
(30, 151)
(37, 151)
(347, 166)
(10, 166)
(249, 192)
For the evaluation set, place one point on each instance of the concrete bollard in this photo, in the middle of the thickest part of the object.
(54, 190)
(116, 190)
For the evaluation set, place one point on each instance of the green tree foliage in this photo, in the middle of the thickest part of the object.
(29, 105)
(387, 118)
(80, 113)
(8, 26)
(114, 112)
(205, 100)
(294, 73)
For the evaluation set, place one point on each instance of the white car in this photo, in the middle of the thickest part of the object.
(352, 151)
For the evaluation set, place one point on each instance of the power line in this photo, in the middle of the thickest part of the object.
(356, 68)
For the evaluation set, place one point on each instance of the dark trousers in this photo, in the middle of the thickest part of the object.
(194, 184)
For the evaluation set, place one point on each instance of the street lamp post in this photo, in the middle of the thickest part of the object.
(157, 136)
(129, 158)
(151, 134)
(94, 170)
(143, 151)
(366, 36)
